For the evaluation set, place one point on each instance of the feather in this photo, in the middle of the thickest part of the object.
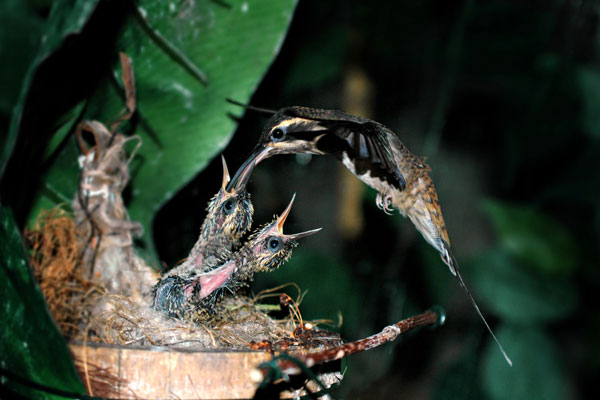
(449, 259)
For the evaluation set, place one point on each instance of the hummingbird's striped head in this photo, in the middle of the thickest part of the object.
(230, 210)
(270, 247)
(290, 130)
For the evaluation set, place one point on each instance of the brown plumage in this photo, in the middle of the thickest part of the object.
(418, 200)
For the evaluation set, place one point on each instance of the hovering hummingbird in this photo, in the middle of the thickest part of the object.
(373, 153)
(266, 250)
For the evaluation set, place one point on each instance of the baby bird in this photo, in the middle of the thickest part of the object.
(266, 250)
(228, 218)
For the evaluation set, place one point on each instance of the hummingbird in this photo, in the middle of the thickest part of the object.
(376, 156)
(265, 250)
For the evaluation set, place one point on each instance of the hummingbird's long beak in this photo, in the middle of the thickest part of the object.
(259, 153)
(241, 178)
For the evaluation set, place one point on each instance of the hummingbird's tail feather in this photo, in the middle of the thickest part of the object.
(449, 259)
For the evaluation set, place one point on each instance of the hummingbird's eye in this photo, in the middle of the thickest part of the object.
(228, 206)
(274, 244)
(277, 134)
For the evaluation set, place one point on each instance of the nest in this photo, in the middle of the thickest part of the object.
(54, 260)
(85, 310)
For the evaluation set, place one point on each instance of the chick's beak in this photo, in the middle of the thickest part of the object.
(296, 236)
(242, 175)
(226, 177)
(281, 219)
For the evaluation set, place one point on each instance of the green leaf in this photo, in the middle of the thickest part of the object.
(537, 371)
(189, 119)
(58, 182)
(30, 344)
(519, 294)
(59, 185)
(183, 122)
(65, 127)
(533, 237)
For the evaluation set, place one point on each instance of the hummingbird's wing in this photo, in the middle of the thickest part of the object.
(366, 143)
(370, 150)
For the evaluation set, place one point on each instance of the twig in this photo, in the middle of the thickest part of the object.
(389, 333)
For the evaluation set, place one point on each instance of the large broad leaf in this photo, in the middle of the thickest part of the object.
(183, 122)
(30, 345)
(519, 294)
(534, 237)
(537, 371)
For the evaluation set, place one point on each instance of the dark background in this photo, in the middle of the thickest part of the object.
(502, 98)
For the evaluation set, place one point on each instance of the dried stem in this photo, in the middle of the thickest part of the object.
(290, 366)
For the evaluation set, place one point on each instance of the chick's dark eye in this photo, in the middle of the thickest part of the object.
(277, 134)
(228, 206)
(274, 244)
